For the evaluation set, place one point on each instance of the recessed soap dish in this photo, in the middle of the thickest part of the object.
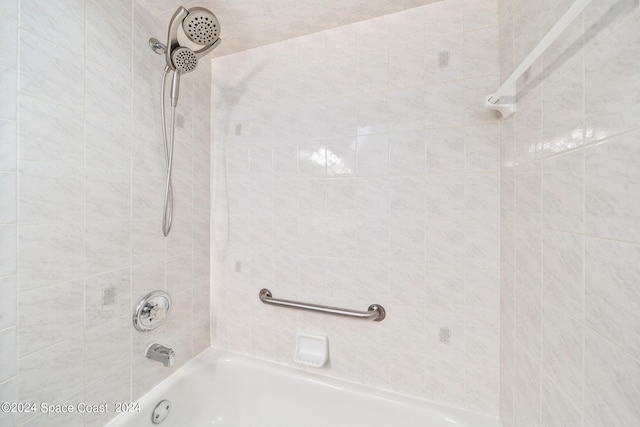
(311, 350)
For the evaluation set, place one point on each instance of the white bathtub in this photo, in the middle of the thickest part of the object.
(224, 389)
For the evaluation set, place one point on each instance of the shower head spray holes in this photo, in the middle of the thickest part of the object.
(184, 59)
(201, 26)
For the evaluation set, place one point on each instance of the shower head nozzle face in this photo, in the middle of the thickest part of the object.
(184, 59)
(201, 26)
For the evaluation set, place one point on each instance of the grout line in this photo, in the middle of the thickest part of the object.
(52, 41)
(131, 200)
(539, 226)
(586, 145)
(84, 207)
(584, 215)
(17, 198)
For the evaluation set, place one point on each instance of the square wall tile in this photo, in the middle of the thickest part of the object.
(563, 192)
(563, 111)
(563, 272)
(611, 385)
(65, 84)
(108, 195)
(480, 14)
(444, 17)
(9, 393)
(482, 148)
(481, 52)
(406, 27)
(8, 249)
(63, 319)
(612, 299)
(7, 197)
(50, 253)
(50, 193)
(407, 153)
(444, 58)
(8, 301)
(9, 7)
(406, 108)
(562, 352)
(445, 150)
(372, 116)
(62, 23)
(556, 409)
(407, 65)
(51, 132)
(611, 178)
(8, 367)
(109, 32)
(443, 105)
(482, 197)
(56, 371)
(8, 145)
(373, 155)
(527, 383)
(9, 33)
(8, 86)
(611, 109)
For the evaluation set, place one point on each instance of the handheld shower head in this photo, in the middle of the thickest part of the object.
(184, 60)
(201, 27)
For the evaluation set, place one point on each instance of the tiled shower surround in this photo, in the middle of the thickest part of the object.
(81, 192)
(570, 276)
(348, 167)
(360, 168)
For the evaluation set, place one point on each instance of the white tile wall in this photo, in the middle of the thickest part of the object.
(368, 174)
(81, 187)
(8, 207)
(569, 351)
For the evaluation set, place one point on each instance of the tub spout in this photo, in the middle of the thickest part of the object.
(162, 354)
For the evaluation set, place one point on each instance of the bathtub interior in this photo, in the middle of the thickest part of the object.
(225, 389)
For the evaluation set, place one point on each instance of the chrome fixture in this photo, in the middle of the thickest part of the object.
(202, 28)
(375, 311)
(161, 411)
(157, 46)
(151, 311)
(162, 354)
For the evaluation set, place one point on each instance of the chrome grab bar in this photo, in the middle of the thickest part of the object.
(375, 311)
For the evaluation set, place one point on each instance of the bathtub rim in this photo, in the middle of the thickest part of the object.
(217, 355)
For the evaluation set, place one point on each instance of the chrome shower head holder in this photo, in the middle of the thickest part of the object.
(157, 46)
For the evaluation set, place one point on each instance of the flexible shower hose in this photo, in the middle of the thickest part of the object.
(167, 215)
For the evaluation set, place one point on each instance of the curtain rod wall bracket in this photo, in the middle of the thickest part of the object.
(505, 108)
